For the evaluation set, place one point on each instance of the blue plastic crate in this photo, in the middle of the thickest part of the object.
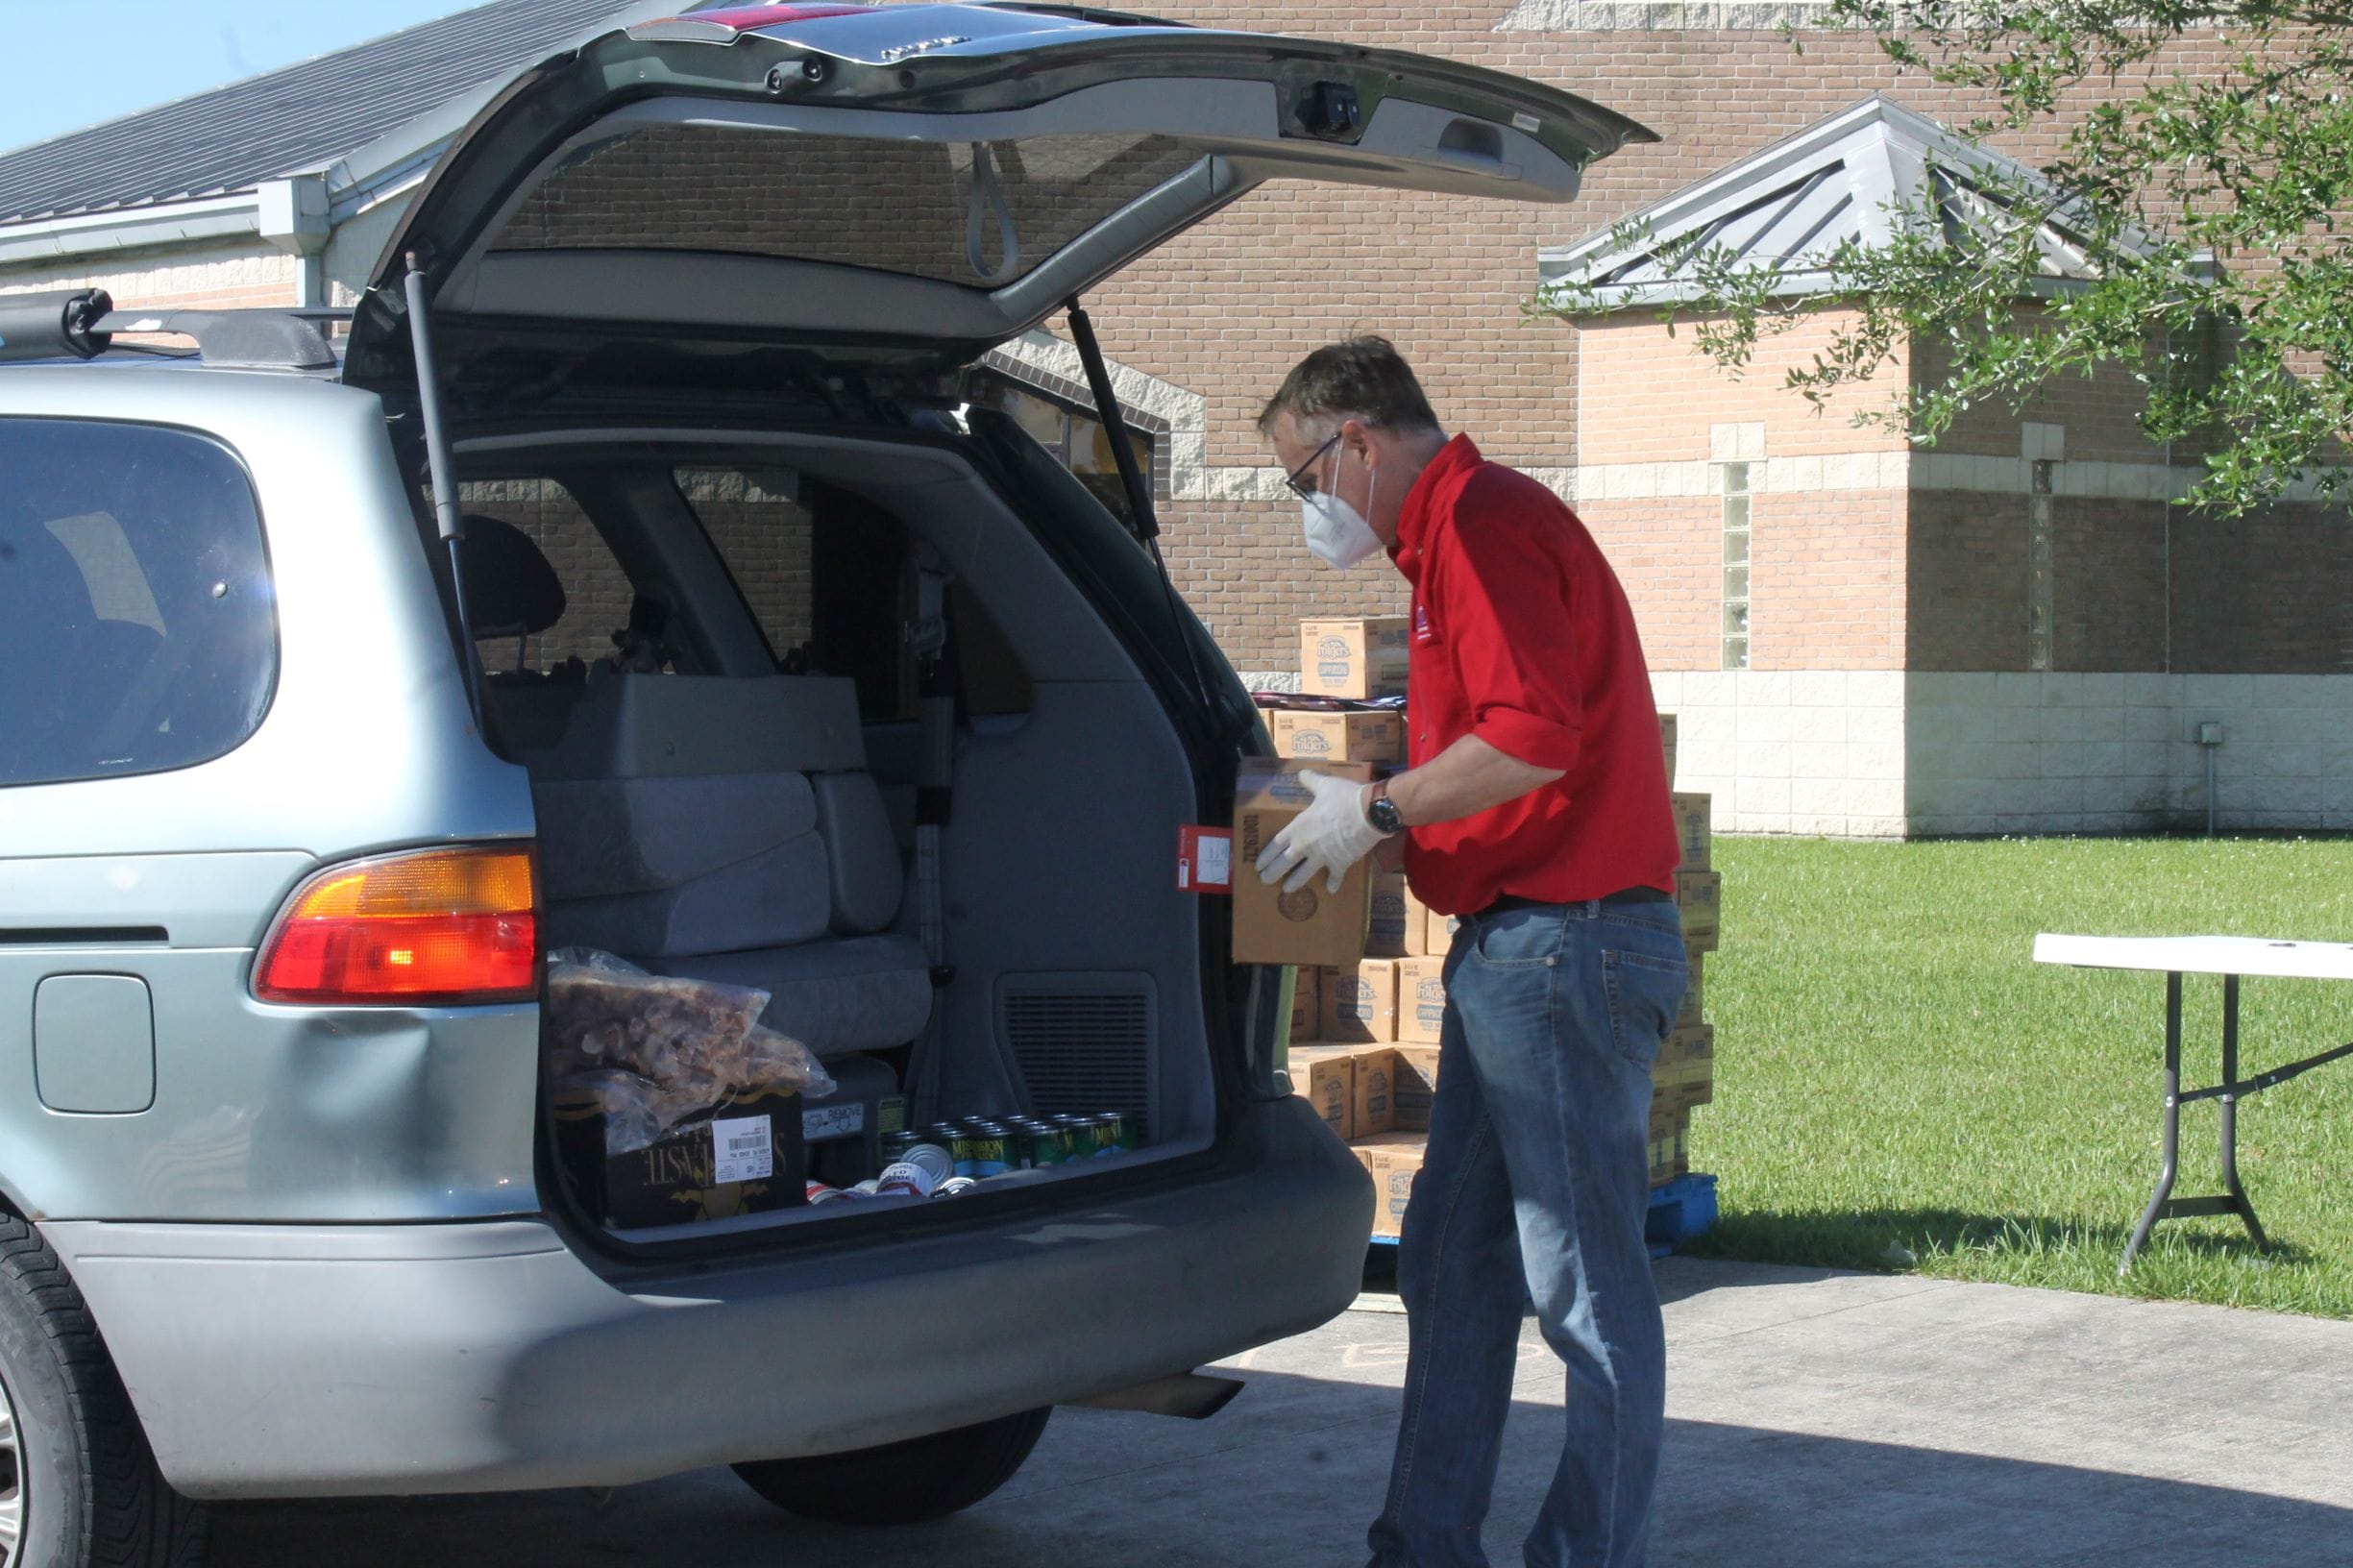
(1682, 1211)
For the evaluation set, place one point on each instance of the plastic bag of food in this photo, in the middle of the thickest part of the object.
(687, 1036)
(637, 1111)
(774, 1060)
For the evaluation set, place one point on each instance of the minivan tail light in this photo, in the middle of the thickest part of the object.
(443, 926)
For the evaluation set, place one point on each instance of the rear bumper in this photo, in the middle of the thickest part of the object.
(325, 1361)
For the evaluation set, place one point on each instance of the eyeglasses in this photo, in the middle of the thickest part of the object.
(1290, 481)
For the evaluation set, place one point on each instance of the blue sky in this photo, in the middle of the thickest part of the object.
(67, 63)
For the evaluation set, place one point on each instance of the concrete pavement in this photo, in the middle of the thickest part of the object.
(1817, 1420)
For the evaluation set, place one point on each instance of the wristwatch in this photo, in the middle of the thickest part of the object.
(1382, 812)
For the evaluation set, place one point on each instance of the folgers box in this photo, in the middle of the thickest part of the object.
(1361, 1002)
(1394, 931)
(1393, 1162)
(1338, 737)
(745, 1155)
(1376, 1104)
(1694, 996)
(1326, 1077)
(1693, 1045)
(1358, 658)
(1697, 896)
(1312, 926)
(1438, 932)
(1307, 1007)
(1416, 1082)
(1694, 827)
(1421, 1000)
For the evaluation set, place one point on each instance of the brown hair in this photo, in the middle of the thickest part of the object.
(1365, 377)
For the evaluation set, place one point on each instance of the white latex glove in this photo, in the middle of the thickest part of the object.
(1330, 836)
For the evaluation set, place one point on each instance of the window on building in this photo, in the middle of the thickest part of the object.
(1073, 433)
(1736, 566)
(2042, 595)
(138, 622)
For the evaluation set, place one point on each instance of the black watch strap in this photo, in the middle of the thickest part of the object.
(1381, 811)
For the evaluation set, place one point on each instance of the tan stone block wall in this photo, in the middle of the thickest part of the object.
(220, 278)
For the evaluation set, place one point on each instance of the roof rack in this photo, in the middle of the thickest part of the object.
(81, 324)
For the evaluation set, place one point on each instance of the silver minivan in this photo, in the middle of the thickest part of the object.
(687, 552)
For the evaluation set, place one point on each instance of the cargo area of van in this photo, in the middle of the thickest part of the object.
(856, 828)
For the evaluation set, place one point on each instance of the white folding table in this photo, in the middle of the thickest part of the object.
(2230, 957)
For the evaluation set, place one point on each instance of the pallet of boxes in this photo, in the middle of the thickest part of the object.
(1369, 996)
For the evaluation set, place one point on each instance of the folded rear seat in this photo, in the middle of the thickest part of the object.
(726, 830)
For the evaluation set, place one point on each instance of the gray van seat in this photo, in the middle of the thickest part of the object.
(726, 830)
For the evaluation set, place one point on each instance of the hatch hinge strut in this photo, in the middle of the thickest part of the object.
(441, 473)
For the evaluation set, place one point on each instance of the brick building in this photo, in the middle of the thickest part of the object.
(2014, 631)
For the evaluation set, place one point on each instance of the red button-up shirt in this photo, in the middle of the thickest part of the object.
(1522, 636)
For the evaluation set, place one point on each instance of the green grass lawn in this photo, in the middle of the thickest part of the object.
(1900, 1086)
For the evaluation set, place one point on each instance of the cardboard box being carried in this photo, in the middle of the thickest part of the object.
(1421, 1000)
(1338, 737)
(1394, 1162)
(1416, 1083)
(1694, 827)
(1393, 932)
(1363, 657)
(1376, 1104)
(1326, 1077)
(1312, 926)
(1361, 1002)
(1698, 894)
(744, 1156)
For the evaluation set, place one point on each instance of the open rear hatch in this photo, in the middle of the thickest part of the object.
(684, 209)
(908, 181)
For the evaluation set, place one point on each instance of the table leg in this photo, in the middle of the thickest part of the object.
(2171, 1125)
(2238, 1200)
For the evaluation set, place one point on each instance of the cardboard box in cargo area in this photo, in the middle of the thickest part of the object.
(1394, 1162)
(1694, 827)
(1307, 1007)
(1698, 895)
(1338, 737)
(1314, 926)
(1361, 1002)
(1361, 657)
(1416, 1082)
(745, 1155)
(1326, 1077)
(1421, 1000)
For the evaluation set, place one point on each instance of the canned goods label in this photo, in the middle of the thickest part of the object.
(904, 1178)
(742, 1150)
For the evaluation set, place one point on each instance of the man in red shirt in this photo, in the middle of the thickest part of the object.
(1535, 808)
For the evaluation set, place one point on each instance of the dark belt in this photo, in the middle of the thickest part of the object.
(1623, 896)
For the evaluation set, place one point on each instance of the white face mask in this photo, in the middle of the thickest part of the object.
(1336, 531)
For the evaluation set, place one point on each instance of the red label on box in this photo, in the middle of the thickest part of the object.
(1205, 859)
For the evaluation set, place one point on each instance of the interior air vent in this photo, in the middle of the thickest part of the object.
(1085, 1043)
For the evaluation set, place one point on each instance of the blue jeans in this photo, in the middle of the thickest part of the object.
(1535, 1187)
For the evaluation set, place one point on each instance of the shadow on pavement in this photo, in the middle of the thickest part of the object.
(1292, 1472)
(1858, 1238)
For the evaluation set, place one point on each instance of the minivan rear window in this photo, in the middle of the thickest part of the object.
(885, 204)
(137, 624)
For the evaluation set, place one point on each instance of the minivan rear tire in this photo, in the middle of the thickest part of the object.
(86, 1492)
(901, 1484)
